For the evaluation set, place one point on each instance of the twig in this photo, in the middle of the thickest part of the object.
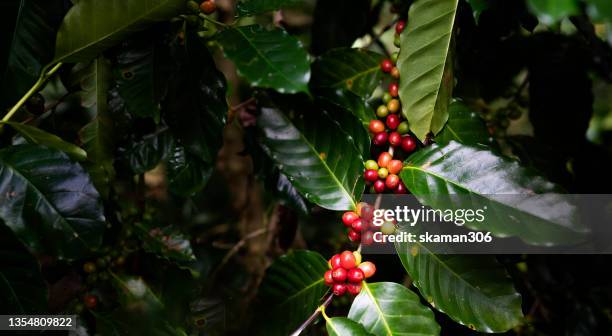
(314, 315)
(243, 104)
(236, 248)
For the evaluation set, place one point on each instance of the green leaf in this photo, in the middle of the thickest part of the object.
(165, 242)
(254, 7)
(473, 290)
(478, 6)
(187, 174)
(518, 201)
(22, 288)
(321, 162)
(267, 58)
(464, 126)
(354, 70)
(341, 326)
(49, 201)
(29, 46)
(425, 65)
(387, 308)
(599, 10)
(348, 101)
(552, 11)
(291, 291)
(97, 135)
(37, 136)
(147, 153)
(89, 29)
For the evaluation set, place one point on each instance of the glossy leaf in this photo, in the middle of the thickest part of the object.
(291, 290)
(600, 10)
(348, 101)
(387, 308)
(187, 174)
(351, 127)
(22, 288)
(86, 31)
(354, 70)
(473, 290)
(425, 65)
(519, 202)
(267, 58)
(254, 7)
(551, 11)
(37, 136)
(320, 161)
(29, 46)
(49, 201)
(464, 126)
(147, 153)
(341, 326)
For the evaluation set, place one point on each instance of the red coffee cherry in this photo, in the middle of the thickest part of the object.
(348, 260)
(353, 288)
(367, 238)
(329, 280)
(392, 121)
(379, 186)
(399, 26)
(90, 301)
(395, 166)
(355, 275)
(380, 138)
(376, 126)
(339, 289)
(392, 181)
(208, 7)
(394, 89)
(383, 159)
(401, 188)
(339, 274)
(370, 175)
(368, 268)
(386, 65)
(353, 235)
(334, 262)
(348, 218)
(358, 225)
(408, 144)
(395, 139)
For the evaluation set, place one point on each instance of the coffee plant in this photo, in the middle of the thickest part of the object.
(173, 167)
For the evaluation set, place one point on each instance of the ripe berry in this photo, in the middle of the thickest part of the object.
(89, 267)
(357, 257)
(394, 89)
(403, 128)
(376, 126)
(392, 121)
(383, 173)
(355, 275)
(383, 159)
(382, 111)
(386, 65)
(401, 189)
(370, 164)
(339, 274)
(208, 7)
(395, 73)
(399, 26)
(353, 288)
(380, 138)
(379, 186)
(408, 144)
(354, 236)
(395, 139)
(339, 289)
(349, 217)
(358, 226)
(367, 238)
(370, 175)
(386, 97)
(368, 268)
(334, 262)
(395, 166)
(392, 181)
(393, 105)
(329, 280)
(348, 260)
(90, 301)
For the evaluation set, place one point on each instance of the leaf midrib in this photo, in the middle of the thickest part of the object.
(380, 312)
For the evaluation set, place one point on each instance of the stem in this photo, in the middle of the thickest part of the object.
(320, 309)
(37, 86)
(218, 23)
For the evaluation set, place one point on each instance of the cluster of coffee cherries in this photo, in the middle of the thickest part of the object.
(390, 134)
(347, 272)
(359, 224)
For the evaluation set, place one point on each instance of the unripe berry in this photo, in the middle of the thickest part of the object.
(370, 175)
(368, 268)
(399, 26)
(394, 57)
(397, 41)
(353, 235)
(353, 288)
(380, 138)
(376, 126)
(401, 188)
(387, 228)
(392, 181)
(348, 260)
(386, 65)
(383, 173)
(393, 105)
(89, 267)
(395, 73)
(355, 275)
(348, 218)
(357, 257)
(403, 128)
(339, 274)
(193, 6)
(339, 289)
(395, 166)
(382, 111)
(395, 139)
(358, 226)
(334, 262)
(90, 301)
(386, 97)
(383, 159)
(408, 144)
(370, 164)
(329, 280)
(392, 121)
(394, 89)
(209, 7)
(379, 186)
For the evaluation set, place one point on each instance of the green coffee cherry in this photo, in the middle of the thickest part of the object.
(382, 111)
(386, 97)
(371, 165)
(397, 41)
(394, 57)
(403, 127)
(383, 173)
